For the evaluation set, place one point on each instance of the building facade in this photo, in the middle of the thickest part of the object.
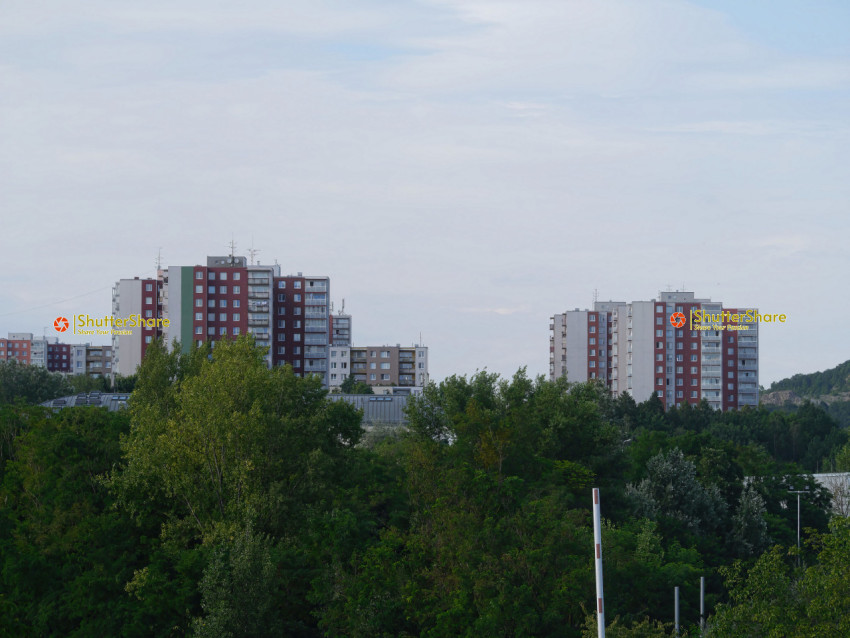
(130, 297)
(634, 348)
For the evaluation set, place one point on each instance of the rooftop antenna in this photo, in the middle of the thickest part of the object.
(595, 297)
(159, 259)
(232, 246)
(342, 310)
(252, 252)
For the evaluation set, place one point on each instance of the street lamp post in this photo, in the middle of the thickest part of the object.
(798, 492)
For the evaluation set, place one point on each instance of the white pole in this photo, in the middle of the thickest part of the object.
(597, 541)
(702, 603)
(676, 603)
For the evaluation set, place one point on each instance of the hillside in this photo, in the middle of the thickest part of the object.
(829, 389)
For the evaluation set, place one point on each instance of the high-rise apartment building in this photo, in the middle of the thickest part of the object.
(634, 348)
(229, 297)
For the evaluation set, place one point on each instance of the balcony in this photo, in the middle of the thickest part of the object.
(312, 314)
(258, 281)
(258, 322)
(316, 287)
(316, 366)
(258, 294)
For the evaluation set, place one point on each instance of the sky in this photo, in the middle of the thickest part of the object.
(461, 169)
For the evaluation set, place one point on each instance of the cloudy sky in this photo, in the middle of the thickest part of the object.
(461, 169)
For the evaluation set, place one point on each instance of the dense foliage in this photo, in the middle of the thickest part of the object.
(232, 500)
(832, 381)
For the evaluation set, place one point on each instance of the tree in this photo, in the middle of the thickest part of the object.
(30, 384)
(351, 386)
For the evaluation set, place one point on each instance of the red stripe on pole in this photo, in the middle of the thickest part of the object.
(598, 551)
(596, 497)
(599, 604)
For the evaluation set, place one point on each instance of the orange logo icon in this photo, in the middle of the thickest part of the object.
(60, 324)
(677, 319)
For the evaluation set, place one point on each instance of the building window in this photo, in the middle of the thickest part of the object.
(281, 323)
(222, 316)
(731, 397)
(659, 369)
(730, 386)
(373, 365)
(147, 340)
(281, 298)
(591, 364)
(222, 330)
(678, 369)
(731, 339)
(592, 353)
(385, 354)
(210, 316)
(199, 275)
(679, 382)
(222, 303)
(385, 377)
(659, 321)
(237, 290)
(281, 336)
(236, 316)
(211, 290)
(148, 314)
(211, 275)
(693, 394)
(659, 308)
(210, 330)
(659, 381)
(148, 287)
(237, 276)
(659, 333)
(199, 290)
(236, 303)
(679, 357)
(678, 394)
(296, 363)
(296, 350)
(236, 331)
(296, 285)
(385, 366)
(281, 284)
(693, 357)
(199, 330)
(222, 290)
(592, 341)
(730, 350)
(199, 316)
(296, 337)
(592, 330)
(694, 346)
(680, 345)
(730, 374)
(199, 303)
(296, 297)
